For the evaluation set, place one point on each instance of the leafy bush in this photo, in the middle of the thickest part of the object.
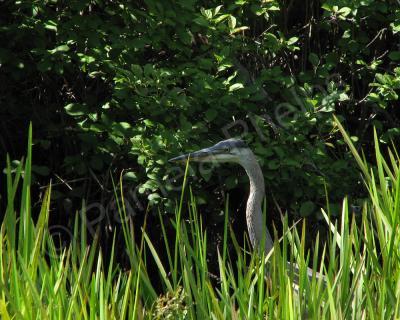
(112, 85)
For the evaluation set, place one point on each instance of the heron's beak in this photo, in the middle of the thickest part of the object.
(203, 155)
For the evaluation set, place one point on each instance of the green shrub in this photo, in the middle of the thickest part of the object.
(116, 85)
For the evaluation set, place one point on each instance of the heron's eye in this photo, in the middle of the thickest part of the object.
(228, 150)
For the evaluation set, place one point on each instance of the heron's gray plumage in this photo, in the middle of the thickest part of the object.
(258, 232)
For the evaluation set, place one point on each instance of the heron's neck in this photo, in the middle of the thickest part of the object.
(258, 231)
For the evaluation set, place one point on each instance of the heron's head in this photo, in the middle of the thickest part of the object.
(231, 150)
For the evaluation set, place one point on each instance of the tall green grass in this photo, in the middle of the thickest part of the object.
(362, 265)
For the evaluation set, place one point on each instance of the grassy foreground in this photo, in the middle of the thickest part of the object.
(362, 267)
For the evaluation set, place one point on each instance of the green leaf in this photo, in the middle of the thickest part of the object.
(232, 22)
(236, 30)
(86, 59)
(125, 125)
(97, 127)
(345, 11)
(346, 34)
(154, 197)
(292, 40)
(62, 48)
(142, 159)
(130, 176)
(221, 18)
(50, 25)
(343, 97)
(274, 8)
(76, 109)
(326, 7)
(148, 123)
(206, 13)
(217, 9)
(395, 27)
(137, 70)
(272, 41)
(236, 86)
(201, 21)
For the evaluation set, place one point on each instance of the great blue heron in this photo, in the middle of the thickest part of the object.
(236, 151)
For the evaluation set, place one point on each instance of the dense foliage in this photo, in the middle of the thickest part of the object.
(112, 85)
(115, 88)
